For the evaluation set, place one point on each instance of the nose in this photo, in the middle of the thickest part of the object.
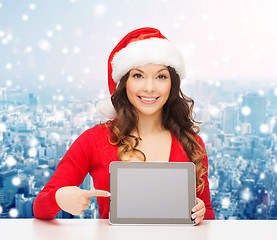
(149, 85)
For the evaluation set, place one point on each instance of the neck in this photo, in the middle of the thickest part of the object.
(150, 124)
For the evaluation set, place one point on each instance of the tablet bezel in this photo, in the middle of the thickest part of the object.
(114, 220)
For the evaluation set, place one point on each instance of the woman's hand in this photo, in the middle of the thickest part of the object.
(198, 211)
(75, 200)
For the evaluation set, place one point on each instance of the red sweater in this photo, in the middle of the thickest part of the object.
(92, 153)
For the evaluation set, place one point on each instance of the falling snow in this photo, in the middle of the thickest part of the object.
(32, 152)
(25, 17)
(32, 6)
(69, 56)
(58, 27)
(16, 181)
(246, 111)
(44, 45)
(10, 161)
(13, 212)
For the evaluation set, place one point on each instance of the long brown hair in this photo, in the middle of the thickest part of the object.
(176, 116)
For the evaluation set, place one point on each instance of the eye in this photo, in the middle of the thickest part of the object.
(161, 76)
(137, 75)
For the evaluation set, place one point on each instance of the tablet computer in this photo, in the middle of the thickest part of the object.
(152, 192)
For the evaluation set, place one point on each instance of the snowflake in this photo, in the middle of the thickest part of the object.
(9, 37)
(246, 111)
(65, 51)
(41, 77)
(58, 27)
(32, 6)
(33, 142)
(76, 50)
(225, 202)
(70, 79)
(118, 23)
(99, 10)
(13, 212)
(3, 127)
(9, 66)
(86, 70)
(16, 181)
(32, 152)
(44, 45)
(10, 161)
(246, 194)
(214, 111)
(74, 137)
(217, 83)
(9, 83)
(264, 128)
(196, 110)
(25, 17)
(49, 34)
(261, 92)
(60, 98)
(28, 49)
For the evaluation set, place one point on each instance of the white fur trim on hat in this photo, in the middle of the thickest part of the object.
(106, 109)
(141, 52)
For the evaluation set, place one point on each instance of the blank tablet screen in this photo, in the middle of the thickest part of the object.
(162, 186)
(151, 193)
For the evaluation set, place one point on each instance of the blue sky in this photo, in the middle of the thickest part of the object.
(60, 48)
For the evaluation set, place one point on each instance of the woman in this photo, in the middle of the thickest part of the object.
(151, 121)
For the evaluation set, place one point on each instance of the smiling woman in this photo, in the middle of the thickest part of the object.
(151, 120)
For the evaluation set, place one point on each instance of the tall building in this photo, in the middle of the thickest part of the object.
(7, 188)
(3, 98)
(256, 105)
(24, 206)
(33, 102)
(230, 119)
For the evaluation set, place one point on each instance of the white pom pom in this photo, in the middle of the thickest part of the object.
(105, 108)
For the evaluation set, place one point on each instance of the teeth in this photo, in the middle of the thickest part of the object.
(148, 99)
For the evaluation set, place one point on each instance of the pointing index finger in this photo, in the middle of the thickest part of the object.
(97, 193)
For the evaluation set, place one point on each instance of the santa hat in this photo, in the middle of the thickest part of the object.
(137, 48)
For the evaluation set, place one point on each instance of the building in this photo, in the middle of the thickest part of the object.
(7, 188)
(230, 119)
(256, 113)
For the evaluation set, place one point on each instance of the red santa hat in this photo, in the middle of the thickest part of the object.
(137, 48)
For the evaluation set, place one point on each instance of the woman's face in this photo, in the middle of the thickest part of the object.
(148, 88)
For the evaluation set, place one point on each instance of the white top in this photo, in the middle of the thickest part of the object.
(80, 229)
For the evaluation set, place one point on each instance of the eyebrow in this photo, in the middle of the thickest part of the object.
(143, 72)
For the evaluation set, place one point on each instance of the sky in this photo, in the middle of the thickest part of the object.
(59, 49)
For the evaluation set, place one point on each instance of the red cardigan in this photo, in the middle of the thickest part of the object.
(92, 153)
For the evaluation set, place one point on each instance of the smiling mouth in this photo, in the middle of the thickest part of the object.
(148, 100)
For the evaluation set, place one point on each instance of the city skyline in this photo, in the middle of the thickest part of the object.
(53, 70)
(241, 148)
